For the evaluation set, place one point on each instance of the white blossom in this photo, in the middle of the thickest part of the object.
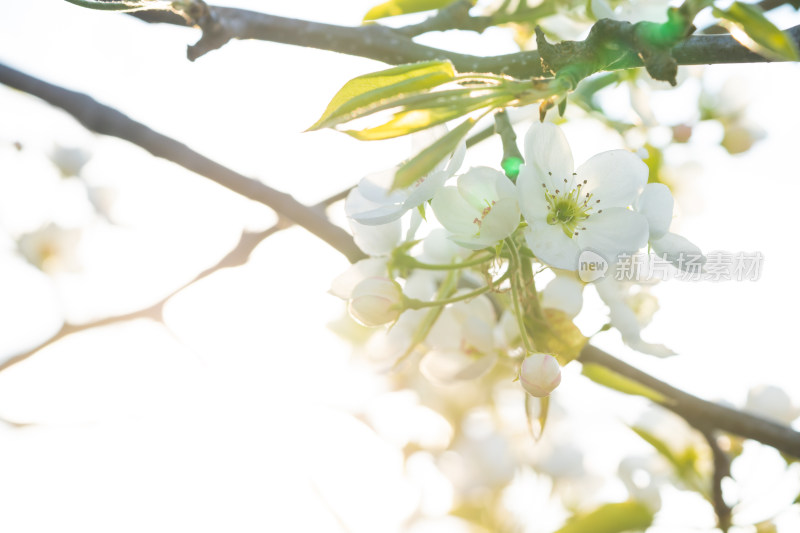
(588, 209)
(481, 211)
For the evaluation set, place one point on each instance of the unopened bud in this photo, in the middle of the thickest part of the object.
(540, 374)
(376, 301)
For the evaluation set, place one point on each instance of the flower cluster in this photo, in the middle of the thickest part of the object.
(462, 296)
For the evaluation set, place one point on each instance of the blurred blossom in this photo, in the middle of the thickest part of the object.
(623, 305)
(670, 428)
(773, 403)
(643, 476)
(69, 161)
(461, 342)
(52, 248)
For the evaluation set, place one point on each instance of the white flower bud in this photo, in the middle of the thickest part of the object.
(376, 301)
(540, 374)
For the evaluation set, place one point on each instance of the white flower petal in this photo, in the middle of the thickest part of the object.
(456, 159)
(500, 222)
(479, 186)
(678, 250)
(612, 232)
(615, 178)
(548, 155)
(439, 250)
(376, 187)
(343, 285)
(365, 211)
(656, 203)
(649, 348)
(532, 201)
(424, 190)
(376, 240)
(552, 246)
(565, 293)
(624, 319)
(453, 212)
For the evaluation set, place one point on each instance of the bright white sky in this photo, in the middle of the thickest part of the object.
(237, 415)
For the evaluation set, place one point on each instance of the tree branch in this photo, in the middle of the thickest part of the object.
(221, 24)
(106, 120)
(722, 469)
(238, 256)
(702, 413)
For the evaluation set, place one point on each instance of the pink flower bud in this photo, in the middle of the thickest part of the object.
(376, 301)
(540, 374)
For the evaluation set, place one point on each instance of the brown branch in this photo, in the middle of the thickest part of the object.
(106, 120)
(702, 413)
(221, 24)
(722, 469)
(238, 256)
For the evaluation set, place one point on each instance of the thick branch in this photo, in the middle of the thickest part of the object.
(701, 412)
(220, 24)
(106, 120)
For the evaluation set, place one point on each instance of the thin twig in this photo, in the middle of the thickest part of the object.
(238, 256)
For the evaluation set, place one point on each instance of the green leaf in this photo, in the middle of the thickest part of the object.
(427, 159)
(611, 518)
(749, 26)
(536, 410)
(413, 119)
(393, 8)
(376, 88)
(618, 382)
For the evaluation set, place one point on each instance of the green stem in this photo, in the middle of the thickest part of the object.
(447, 287)
(411, 303)
(515, 269)
(413, 263)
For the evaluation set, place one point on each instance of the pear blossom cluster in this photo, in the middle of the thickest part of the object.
(444, 278)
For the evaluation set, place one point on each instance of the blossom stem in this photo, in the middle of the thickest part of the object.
(447, 287)
(413, 263)
(515, 269)
(411, 303)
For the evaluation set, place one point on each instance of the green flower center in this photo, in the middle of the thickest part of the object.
(570, 209)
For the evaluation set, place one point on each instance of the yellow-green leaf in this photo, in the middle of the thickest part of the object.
(393, 8)
(618, 382)
(560, 337)
(423, 162)
(611, 518)
(377, 87)
(749, 26)
(412, 120)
